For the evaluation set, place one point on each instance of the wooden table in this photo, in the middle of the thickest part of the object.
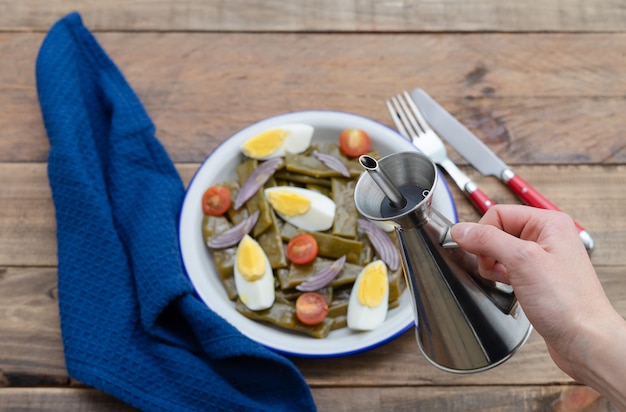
(542, 82)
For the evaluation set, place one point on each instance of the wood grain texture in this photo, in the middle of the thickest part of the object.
(320, 15)
(541, 99)
(27, 220)
(59, 399)
(31, 348)
(560, 398)
(466, 398)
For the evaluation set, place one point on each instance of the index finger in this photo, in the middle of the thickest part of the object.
(511, 233)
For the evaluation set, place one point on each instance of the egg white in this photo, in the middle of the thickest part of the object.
(386, 225)
(320, 215)
(258, 294)
(297, 141)
(361, 317)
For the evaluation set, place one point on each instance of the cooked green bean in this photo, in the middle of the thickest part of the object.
(298, 273)
(300, 178)
(235, 216)
(345, 224)
(396, 284)
(223, 259)
(308, 166)
(329, 246)
(272, 244)
(257, 202)
(284, 315)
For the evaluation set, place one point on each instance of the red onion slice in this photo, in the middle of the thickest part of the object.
(332, 162)
(383, 244)
(323, 277)
(256, 180)
(233, 235)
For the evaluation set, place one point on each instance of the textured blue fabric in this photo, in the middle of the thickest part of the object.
(132, 325)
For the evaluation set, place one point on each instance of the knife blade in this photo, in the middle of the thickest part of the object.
(482, 158)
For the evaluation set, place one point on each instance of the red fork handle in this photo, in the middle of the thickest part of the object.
(481, 201)
(532, 197)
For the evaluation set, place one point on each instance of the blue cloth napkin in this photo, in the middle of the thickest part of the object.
(132, 325)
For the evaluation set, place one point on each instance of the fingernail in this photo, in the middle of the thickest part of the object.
(460, 230)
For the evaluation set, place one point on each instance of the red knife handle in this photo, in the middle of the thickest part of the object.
(532, 197)
(478, 197)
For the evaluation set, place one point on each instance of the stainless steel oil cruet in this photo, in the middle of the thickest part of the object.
(464, 323)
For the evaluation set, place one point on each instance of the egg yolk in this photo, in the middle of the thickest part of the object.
(264, 144)
(288, 203)
(250, 259)
(373, 285)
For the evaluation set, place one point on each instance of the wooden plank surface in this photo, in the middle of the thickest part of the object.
(541, 99)
(469, 398)
(465, 398)
(321, 15)
(59, 399)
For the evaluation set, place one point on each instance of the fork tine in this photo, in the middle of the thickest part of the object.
(408, 115)
(418, 115)
(405, 117)
(396, 119)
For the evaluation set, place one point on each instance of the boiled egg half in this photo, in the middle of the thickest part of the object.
(368, 304)
(254, 278)
(275, 142)
(303, 208)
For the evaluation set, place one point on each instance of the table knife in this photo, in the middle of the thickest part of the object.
(482, 158)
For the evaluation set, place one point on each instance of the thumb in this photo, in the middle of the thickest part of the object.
(495, 249)
(485, 240)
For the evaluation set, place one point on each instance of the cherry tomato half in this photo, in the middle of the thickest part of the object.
(216, 200)
(311, 308)
(354, 142)
(302, 249)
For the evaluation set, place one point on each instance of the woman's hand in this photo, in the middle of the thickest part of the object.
(540, 254)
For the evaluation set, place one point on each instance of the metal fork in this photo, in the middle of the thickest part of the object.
(411, 124)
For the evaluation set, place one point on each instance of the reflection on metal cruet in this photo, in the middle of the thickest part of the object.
(464, 323)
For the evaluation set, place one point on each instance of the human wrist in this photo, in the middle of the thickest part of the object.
(600, 360)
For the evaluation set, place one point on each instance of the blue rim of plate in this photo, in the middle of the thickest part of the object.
(195, 257)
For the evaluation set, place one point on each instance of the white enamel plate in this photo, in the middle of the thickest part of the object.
(220, 166)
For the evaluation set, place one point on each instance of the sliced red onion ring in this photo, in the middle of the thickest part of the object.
(233, 235)
(382, 243)
(256, 180)
(323, 277)
(332, 162)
